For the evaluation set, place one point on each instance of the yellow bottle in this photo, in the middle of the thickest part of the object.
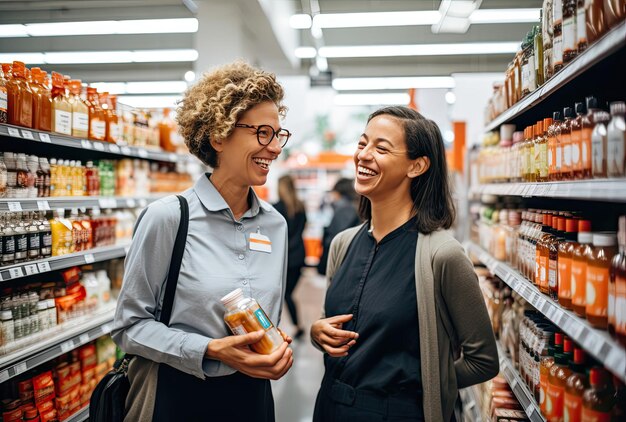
(61, 229)
(78, 180)
(54, 177)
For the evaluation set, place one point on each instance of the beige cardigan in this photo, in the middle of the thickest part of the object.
(457, 345)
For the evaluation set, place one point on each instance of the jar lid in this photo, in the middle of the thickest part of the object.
(232, 297)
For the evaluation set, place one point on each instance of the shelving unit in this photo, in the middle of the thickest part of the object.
(596, 342)
(55, 263)
(470, 404)
(51, 203)
(609, 44)
(80, 416)
(56, 341)
(524, 396)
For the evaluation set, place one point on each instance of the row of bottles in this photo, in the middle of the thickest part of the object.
(24, 237)
(582, 142)
(74, 231)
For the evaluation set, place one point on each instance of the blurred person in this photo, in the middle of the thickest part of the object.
(345, 215)
(230, 120)
(292, 208)
(405, 323)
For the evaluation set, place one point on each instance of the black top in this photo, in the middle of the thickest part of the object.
(345, 216)
(295, 228)
(376, 283)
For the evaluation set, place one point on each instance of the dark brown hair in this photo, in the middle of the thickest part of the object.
(432, 199)
(289, 196)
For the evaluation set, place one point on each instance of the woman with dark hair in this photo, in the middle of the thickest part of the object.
(292, 208)
(405, 324)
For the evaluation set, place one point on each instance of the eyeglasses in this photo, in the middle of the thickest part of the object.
(265, 134)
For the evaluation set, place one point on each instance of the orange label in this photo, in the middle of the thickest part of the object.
(572, 411)
(589, 415)
(554, 407)
(565, 275)
(543, 386)
(597, 291)
(579, 273)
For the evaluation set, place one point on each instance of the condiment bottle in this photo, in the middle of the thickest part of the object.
(566, 142)
(557, 380)
(616, 140)
(546, 34)
(577, 139)
(597, 290)
(244, 315)
(543, 167)
(554, 149)
(42, 101)
(113, 129)
(558, 229)
(540, 144)
(541, 254)
(80, 110)
(596, 23)
(557, 35)
(599, 143)
(54, 177)
(20, 97)
(547, 361)
(575, 386)
(61, 107)
(538, 52)
(3, 96)
(565, 251)
(581, 27)
(570, 50)
(97, 120)
(618, 265)
(579, 267)
(598, 399)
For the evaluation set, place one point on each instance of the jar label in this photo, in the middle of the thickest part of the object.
(597, 291)
(63, 122)
(238, 330)
(262, 318)
(98, 129)
(80, 121)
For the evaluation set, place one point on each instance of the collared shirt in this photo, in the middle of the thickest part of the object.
(376, 283)
(217, 260)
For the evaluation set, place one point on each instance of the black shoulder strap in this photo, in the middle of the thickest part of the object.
(177, 258)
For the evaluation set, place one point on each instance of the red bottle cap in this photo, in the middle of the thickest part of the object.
(584, 226)
(568, 345)
(562, 224)
(579, 356)
(558, 339)
(571, 225)
(598, 377)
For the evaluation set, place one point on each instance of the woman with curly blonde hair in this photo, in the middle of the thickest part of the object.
(192, 369)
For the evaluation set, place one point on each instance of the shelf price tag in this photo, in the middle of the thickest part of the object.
(15, 206)
(114, 148)
(67, 346)
(106, 328)
(98, 146)
(31, 269)
(4, 376)
(43, 206)
(131, 203)
(89, 258)
(126, 151)
(107, 203)
(44, 267)
(142, 153)
(84, 338)
(44, 137)
(143, 203)
(86, 144)
(16, 272)
(173, 157)
(14, 132)
(20, 368)
(27, 134)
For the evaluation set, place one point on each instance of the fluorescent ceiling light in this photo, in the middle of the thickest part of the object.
(371, 99)
(76, 57)
(138, 26)
(419, 49)
(305, 52)
(451, 25)
(300, 21)
(355, 84)
(458, 8)
(144, 87)
(150, 101)
(321, 63)
(505, 16)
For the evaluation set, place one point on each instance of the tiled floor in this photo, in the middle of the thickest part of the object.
(294, 394)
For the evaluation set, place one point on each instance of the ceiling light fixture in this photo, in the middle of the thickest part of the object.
(190, 76)
(305, 52)
(300, 21)
(90, 57)
(419, 49)
(150, 101)
(371, 99)
(143, 87)
(485, 16)
(137, 26)
(421, 82)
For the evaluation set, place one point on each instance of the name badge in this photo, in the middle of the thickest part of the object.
(260, 243)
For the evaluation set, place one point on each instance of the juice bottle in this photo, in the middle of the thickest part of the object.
(558, 228)
(61, 230)
(78, 180)
(559, 372)
(598, 399)
(540, 144)
(587, 125)
(599, 144)
(597, 290)
(620, 290)
(4, 117)
(570, 50)
(244, 315)
(67, 176)
(61, 107)
(20, 97)
(113, 128)
(617, 264)
(556, 346)
(93, 180)
(566, 143)
(525, 157)
(616, 140)
(97, 120)
(557, 35)
(541, 255)
(80, 110)
(53, 177)
(577, 138)
(42, 101)
(575, 386)
(532, 135)
(581, 27)
(565, 251)
(579, 267)
(554, 153)
(77, 231)
(87, 231)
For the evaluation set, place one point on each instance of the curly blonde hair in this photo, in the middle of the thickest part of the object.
(212, 106)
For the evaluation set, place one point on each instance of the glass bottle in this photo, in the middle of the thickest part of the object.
(113, 128)
(80, 110)
(598, 399)
(528, 65)
(565, 251)
(20, 97)
(539, 148)
(32, 163)
(21, 169)
(554, 159)
(97, 120)
(544, 174)
(557, 380)
(615, 271)
(599, 144)
(44, 172)
(557, 37)
(4, 117)
(579, 267)
(34, 242)
(78, 179)
(54, 177)
(581, 27)
(547, 362)
(596, 23)
(577, 139)
(552, 245)
(586, 125)
(566, 143)
(541, 276)
(597, 289)
(61, 107)
(570, 49)
(45, 236)
(42, 101)
(8, 240)
(575, 386)
(21, 239)
(616, 140)
(538, 52)
(620, 290)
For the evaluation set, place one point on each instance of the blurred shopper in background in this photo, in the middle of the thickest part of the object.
(292, 209)
(405, 323)
(345, 215)
(194, 369)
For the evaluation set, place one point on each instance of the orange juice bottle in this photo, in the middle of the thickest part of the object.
(575, 387)
(598, 399)
(42, 101)
(559, 372)
(579, 267)
(97, 120)
(78, 180)
(565, 251)
(20, 97)
(80, 110)
(61, 229)
(597, 290)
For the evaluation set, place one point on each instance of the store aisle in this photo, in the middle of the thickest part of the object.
(294, 394)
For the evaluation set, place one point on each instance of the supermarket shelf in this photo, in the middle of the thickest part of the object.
(32, 135)
(55, 263)
(104, 202)
(606, 190)
(606, 46)
(80, 416)
(54, 342)
(470, 404)
(524, 396)
(596, 342)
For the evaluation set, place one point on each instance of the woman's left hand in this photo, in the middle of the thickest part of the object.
(287, 338)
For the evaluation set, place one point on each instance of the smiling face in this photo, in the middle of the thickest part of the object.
(382, 164)
(242, 160)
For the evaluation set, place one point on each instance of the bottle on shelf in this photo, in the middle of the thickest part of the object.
(80, 110)
(587, 125)
(598, 399)
(557, 35)
(45, 235)
(577, 138)
(552, 245)
(20, 97)
(565, 251)
(540, 144)
(34, 241)
(581, 27)
(546, 35)
(21, 185)
(32, 164)
(54, 177)
(616, 273)
(544, 165)
(541, 254)
(597, 289)
(3, 177)
(61, 107)
(599, 144)
(579, 267)
(21, 238)
(596, 24)
(570, 49)
(97, 119)
(113, 129)
(4, 117)
(566, 142)
(42, 101)
(61, 230)
(555, 147)
(7, 233)
(547, 362)
(557, 380)
(538, 52)
(575, 387)
(616, 140)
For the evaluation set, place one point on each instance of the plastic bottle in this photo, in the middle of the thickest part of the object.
(78, 179)
(575, 386)
(597, 290)
(616, 140)
(113, 128)
(61, 107)
(565, 251)
(54, 177)
(42, 315)
(559, 372)
(52, 313)
(20, 97)
(579, 267)
(80, 110)
(598, 399)
(104, 286)
(599, 144)
(61, 229)
(244, 315)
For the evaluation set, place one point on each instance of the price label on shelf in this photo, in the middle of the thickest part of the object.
(27, 134)
(15, 206)
(126, 151)
(114, 148)
(67, 346)
(43, 206)
(84, 338)
(130, 203)
(143, 203)
(106, 328)
(86, 144)
(107, 203)
(16, 272)
(4, 375)
(98, 146)
(20, 368)
(529, 410)
(553, 189)
(31, 269)
(14, 132)
(173, 157)
(142, 153)
(89, 258)
(44, 267)
(44, 137)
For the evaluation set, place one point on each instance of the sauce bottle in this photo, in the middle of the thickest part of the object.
(538, 52)
(4, 117)
(581, 27)
(42, 101)
(541, 255)
(547, 362)
(557, 35)
(526, 156)
(616, 140)
(61, 107)
(539, 148)
(97, 120)
(597, 289)
(618, 264)
(565, 251)
(566, 143)
(579, 267)
(546, 34)
(557, 380)
(577, 139)
(244, 315)
(80, 110)
(575, 386)
(558, 228)
(598, 399)
(20, 97)
(113, 128)
(570, 50)
(554, 152)
(544, 168)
